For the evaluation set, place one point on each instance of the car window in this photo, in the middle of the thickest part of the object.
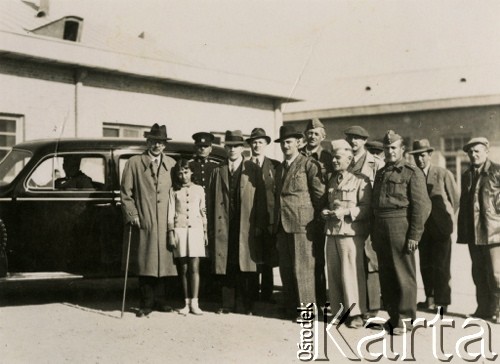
(12, 164)
(69, 172)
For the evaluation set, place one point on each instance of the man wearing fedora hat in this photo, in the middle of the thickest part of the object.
(145, 186)
(314, 135)
(235, 197)
(479, 226)
(299, 193)
(258, 142)
(435, 244)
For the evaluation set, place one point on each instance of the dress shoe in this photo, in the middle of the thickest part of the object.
(143, 312)
(427, 305)
(355, 322)
(479, 315)
(163, 308)
(223, 311)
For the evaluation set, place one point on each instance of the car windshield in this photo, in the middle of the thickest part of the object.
(12, 164)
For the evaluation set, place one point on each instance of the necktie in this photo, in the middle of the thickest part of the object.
(257, 161)
(231, 168)
(340, 177)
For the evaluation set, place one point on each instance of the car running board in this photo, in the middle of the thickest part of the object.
(39, 276)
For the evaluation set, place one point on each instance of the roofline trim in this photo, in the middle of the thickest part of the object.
(64, 52)
(394, 108)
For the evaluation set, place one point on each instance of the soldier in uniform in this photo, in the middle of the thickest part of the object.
(401, 206)
(314, 135)
(201, 166)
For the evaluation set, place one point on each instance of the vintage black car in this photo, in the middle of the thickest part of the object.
(48, 230)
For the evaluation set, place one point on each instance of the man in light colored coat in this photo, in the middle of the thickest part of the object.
(145, 186)
(435, 244)
(368, 164)
(479, 226)
(236, 209)
(299, 193)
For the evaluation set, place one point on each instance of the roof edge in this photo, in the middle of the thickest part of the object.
(423, 105)
(66, 52)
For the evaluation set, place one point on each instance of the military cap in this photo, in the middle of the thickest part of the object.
(391, 137)
(474, 141)
(203, 138)
(313, 124)
(340, 144)
(357, 130)
(421, 145)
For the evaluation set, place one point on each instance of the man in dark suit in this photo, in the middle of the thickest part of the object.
(258, 142)
(479, 226)
(314, 135)
(235, 195)
(299, 193)
(400, 206)
(435, 245)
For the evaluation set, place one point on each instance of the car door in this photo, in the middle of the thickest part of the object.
(62, 220)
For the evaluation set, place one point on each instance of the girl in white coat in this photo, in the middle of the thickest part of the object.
(187, 232)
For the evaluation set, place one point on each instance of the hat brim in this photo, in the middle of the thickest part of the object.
(421, 150)
(267, 138)
(235, 142)
(470, 145)
(357, 135)
(155, 137)
(292, 135)
(203, 144)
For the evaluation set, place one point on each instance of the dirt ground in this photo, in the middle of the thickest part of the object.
(79, 322)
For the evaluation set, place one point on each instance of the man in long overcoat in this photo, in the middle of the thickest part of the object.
(435, 245)
(235, 196)
(146, 181)
(258, 142)
(368, 164)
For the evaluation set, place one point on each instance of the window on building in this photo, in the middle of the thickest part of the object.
(456, 159)
(9, 131)
(123, 130)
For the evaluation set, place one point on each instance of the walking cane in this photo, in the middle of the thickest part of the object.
(126, 268)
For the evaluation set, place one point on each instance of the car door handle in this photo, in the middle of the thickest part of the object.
(103, 204)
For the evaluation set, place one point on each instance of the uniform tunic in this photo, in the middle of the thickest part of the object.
(202, 169)
(400, 206)
(186, 216)
(345, 240)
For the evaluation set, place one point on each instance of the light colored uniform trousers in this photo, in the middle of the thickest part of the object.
(296, 262)
(346, 273)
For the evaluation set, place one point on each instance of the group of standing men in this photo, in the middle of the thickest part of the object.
(261, 212)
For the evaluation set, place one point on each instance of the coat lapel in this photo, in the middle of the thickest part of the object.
(292, 170)
(224, 173)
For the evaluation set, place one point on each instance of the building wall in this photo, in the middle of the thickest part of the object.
(55, 101)
(439, 126)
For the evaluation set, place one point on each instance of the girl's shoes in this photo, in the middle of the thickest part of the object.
(195, 309)
(183, 311)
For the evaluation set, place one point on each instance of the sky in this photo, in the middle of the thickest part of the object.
(311, 44)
